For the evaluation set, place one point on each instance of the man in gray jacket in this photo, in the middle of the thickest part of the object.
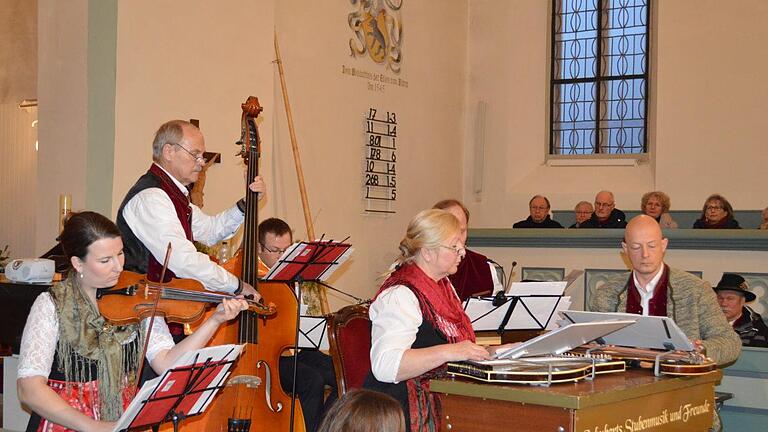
(654, 288)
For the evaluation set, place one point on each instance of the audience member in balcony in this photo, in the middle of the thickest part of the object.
(654, 288)
(476, 274)
(717, 213)
(539, 218)
(606, 214)
(764, 225)
(656, 205)
(732, 295)
(583, 212)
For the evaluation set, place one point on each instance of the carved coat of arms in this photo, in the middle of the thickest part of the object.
(377, 31)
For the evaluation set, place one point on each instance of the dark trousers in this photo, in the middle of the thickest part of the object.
(314, 371)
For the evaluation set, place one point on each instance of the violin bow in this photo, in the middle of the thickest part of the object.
(324, 307)
(152, 318)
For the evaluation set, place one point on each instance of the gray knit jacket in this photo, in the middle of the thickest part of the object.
(691, 303)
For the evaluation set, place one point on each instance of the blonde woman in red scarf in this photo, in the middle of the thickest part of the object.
(418, 323)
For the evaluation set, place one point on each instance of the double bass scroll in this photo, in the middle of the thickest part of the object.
(253, 399)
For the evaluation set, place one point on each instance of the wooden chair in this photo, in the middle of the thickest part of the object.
(349, 337)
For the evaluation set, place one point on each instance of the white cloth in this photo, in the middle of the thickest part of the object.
(395, 320)
(152, 218)
(41, 334)
(646, 292)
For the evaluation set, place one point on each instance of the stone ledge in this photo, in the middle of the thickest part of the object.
(690, 239)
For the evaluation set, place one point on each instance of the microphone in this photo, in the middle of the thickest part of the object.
(500, 297)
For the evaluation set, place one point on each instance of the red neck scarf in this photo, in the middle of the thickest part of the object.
(441, 308)
(437, 301)
(657, 305)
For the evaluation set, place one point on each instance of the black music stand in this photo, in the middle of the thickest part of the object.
(183, 391)
(488, 313)
(306, 262)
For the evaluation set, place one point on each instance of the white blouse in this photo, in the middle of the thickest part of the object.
(41, 334)
(395, 319)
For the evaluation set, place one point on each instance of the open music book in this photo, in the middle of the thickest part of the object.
(187, 388)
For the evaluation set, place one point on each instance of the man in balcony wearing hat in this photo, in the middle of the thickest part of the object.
(732, 295)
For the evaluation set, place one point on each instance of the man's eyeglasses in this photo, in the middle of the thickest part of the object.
(602, 204)
(458, 250)
(274, 251)
(198, 158)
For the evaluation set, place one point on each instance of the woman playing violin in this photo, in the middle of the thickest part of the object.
(77, 371)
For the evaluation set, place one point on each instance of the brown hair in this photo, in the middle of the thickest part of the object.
(726, 206)
(364, 411)
(448, 203)
(276, 226)
(82, 229)
(659, 195)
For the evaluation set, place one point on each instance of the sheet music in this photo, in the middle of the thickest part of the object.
(564, 305)
(167, 384)
(485, 316)
(537, 288)
(563, 339)
(312, 333)
(327, 256)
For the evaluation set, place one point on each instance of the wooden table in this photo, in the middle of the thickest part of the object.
(620, 402)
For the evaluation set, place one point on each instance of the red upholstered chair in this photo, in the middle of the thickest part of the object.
(349, 337)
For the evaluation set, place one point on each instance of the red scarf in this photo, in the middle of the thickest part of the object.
(657, 306)
(440, 307)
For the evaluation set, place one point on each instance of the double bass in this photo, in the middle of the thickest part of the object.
(253, 399)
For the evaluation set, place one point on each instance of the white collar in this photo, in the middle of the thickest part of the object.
(178, 184)
(651, 284)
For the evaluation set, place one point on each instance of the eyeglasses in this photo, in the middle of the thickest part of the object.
(602, 204)
(458, 250)
(715, 208)
(539, 208)
(274, 251)
(198, 158)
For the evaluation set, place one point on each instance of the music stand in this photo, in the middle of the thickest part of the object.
(528, 306)
(185, 390)
(307, 262)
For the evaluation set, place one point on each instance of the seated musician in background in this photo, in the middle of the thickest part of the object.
(606, 214)
(156, 211)
(732, 295)
(314, 369)
(583, 211)
(77, 371)
(656, 289)
(539, 218)
(476, 274)
(418, 323)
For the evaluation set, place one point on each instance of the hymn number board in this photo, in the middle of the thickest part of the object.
(380, 173)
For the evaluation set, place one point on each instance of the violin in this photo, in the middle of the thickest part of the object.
(183, 301)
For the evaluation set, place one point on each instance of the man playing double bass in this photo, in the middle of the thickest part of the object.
(157, 211)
